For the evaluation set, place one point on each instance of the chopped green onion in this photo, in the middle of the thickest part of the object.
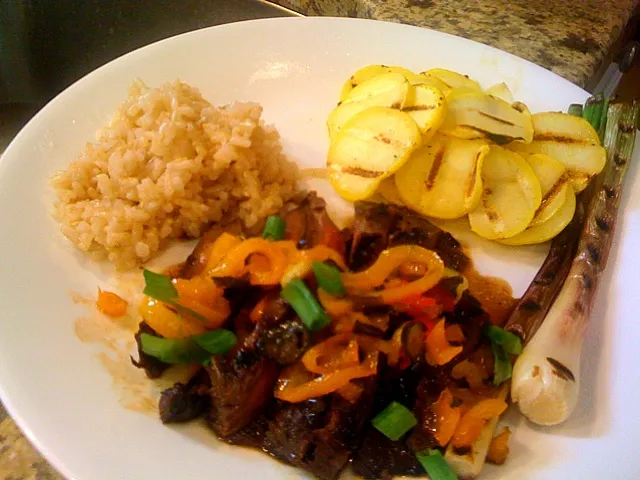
(160, 287)
(575, 109)
(197, 348)
(217, 341)
(274, 228)
(394, 421)
(173, 350)
(509, 342)
(328, 278)
(502, 368)
(435, 465)
(298, 295)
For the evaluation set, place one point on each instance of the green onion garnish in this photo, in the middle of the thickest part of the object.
(435, 465)
(502, 368)
(172, 350)
(216, 341)
(274, 228)
(298, 295)
(575, 109)
(197, 348)
(394, 421)
(328, 278)
(160, 287)
(509, 342)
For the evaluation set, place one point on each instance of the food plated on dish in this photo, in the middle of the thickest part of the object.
(50, 285)
(376, 346)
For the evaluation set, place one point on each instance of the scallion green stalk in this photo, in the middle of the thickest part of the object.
(546, 376)
(394, 421)
(304, 303)
(274, 228)
(435, 465)
(328, 278)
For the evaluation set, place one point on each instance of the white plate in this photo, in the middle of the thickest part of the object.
(59, 392)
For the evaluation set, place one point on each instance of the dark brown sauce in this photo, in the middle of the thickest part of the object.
(494, 294)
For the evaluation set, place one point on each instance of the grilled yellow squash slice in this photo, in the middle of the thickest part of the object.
(384, 90)
(491, 116)
(550, 228)
(370, 147)
(510, 197)
(553, 185)
(443, 178)
(367, 73)
(452, 79)
(427, 106)
(570, 140)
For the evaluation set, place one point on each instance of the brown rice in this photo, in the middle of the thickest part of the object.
(168, 165)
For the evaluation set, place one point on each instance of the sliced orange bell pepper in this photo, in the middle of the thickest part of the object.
(474, 420)
(166, 322)
(350, 392)
(335, 353)
(234, 263)
(366, 282)
(222, 245)
(499, 447)
(447, 417)
(439, 351)
(111, 304)
(289, 391)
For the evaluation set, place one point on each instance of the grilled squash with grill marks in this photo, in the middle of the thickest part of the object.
(443, 178)
(570, 140)
(510, 197)
(370, 147)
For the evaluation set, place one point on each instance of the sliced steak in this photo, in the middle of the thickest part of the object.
(320, 435)
(241, 386)
(182, 403)
(151, 365)
(379, 226)
(310, 225)
(379, 457)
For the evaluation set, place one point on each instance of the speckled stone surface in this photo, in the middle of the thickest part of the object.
(568, 37)
(18, 459)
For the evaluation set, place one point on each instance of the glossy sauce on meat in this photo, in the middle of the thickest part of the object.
(322, 435)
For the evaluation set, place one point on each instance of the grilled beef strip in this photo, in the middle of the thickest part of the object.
(182, 403)
(380, 226)
(321, 434)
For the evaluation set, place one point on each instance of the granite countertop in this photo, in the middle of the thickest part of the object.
(568, 37)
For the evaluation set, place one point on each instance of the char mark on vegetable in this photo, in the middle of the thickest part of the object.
(471, 184)
(497, 119)
(594, 253)
(619, 160)
(418, 108)
(531, 306)
(551, 137)
(610, 192)
(361, 172)
(561, 370)
(602, 224)
(435, 168)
